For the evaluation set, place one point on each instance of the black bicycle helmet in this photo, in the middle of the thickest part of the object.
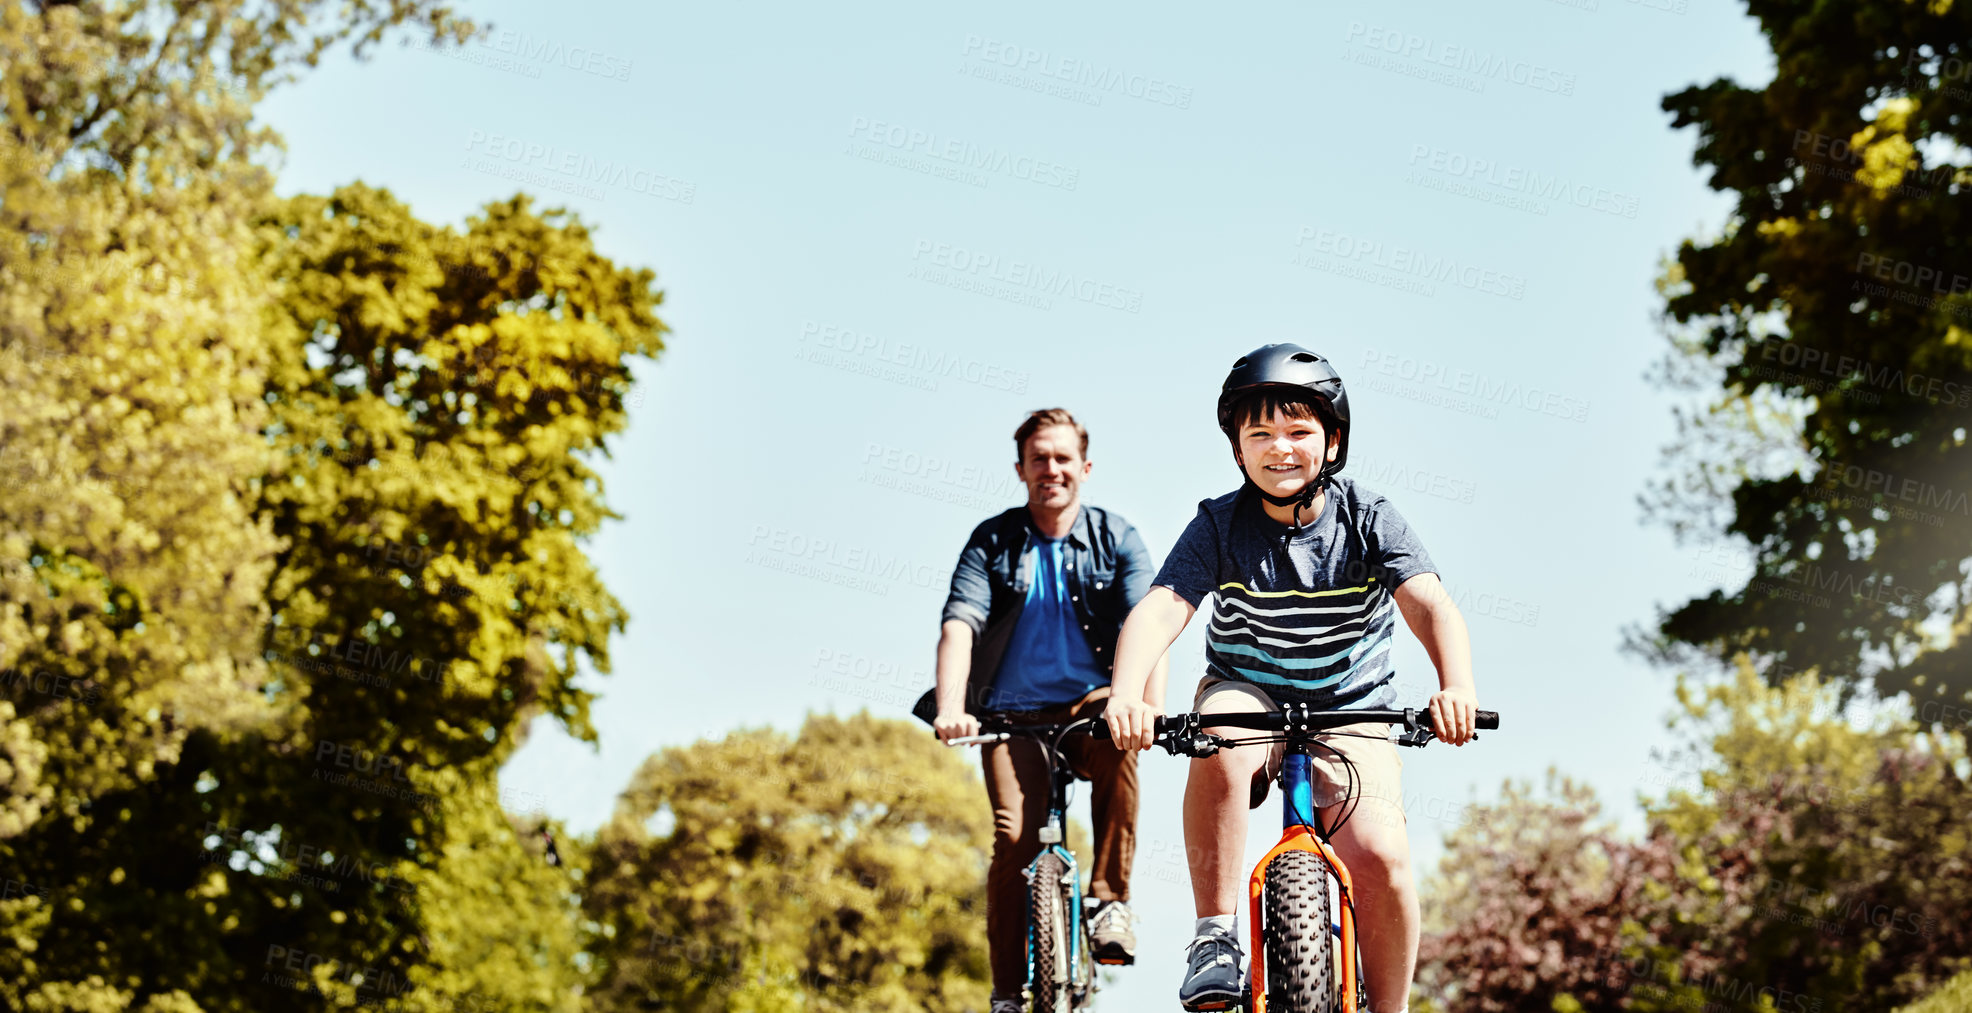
(1286, 365)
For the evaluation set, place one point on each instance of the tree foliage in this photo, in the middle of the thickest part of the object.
(1533, 899)
(430, 394)
(1833, 318)
(841, 870)
(1955, 997)
(290, 522)
(1800, 859)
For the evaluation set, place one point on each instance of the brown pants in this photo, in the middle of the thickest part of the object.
(1017, 784)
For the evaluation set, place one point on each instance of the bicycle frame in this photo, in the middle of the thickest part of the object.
(1296, 725)
(1301, 831)
(1053, 837)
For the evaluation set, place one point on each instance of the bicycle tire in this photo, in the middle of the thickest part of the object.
(1296, 932)
(1053, 986)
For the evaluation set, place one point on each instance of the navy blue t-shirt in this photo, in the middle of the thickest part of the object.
(1308, 618)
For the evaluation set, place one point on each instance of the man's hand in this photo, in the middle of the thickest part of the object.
(955, 726)
(1453, 712)
(1132, 723)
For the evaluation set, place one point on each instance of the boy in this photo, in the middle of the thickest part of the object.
(1306, 566)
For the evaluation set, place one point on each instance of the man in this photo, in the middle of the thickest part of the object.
(1029, 630)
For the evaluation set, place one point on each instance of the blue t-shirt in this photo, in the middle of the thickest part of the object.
(1308, 616)
(1048, 661)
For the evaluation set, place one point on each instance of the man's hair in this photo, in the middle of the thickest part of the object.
(1265, 402)
(1040, 419)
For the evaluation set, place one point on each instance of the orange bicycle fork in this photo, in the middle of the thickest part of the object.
(1298, 815)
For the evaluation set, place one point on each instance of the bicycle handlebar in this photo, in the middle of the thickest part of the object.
(1300, 719)
(1186, 730)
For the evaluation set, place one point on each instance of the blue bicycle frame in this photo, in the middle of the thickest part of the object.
(1052, 836)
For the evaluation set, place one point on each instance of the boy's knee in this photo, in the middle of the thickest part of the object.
(1383, 858)
(1230, 768)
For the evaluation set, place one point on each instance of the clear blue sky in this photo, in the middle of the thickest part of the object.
(863, 225)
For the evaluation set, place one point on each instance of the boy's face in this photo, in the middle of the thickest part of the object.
(1052, 467)
(1283, 453)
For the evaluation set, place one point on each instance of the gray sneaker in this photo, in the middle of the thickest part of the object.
(1112, 929)
(1001, 1005)
(1212, 974)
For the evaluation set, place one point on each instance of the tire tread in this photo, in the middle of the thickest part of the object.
(1296, 932)
(1045, 894)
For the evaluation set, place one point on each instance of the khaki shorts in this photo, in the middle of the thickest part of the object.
(1378, 768)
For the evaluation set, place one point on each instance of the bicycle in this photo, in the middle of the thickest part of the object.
(1303, 941)
(1060, 952)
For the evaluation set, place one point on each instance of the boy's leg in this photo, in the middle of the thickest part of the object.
(1218, 795)
(1017, 785)
(1375, 845)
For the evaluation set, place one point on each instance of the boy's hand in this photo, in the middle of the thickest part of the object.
(1132, 723)
(1453, 712)
(955, 726)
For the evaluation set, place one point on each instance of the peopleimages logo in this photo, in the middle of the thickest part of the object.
(1934, 389)
(1081, 73)
(972, 486)
(585, 59)
(1021, 275)
(960, 155)
(1479, 64)
(1478, 385)
(831, 561)
(576, 166)
(1912, 275)
(915, 362)
(1402, 260)
(1520, 180)
(1871, 482)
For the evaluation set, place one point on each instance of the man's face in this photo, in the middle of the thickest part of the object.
(1052, 467)
(1283, 454)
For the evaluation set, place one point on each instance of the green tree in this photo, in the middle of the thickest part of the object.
(133, 559)
(841, 870)
(1800, 858)
(1536, 898)
(1831, 322)
(430, 393)
(1955, 997)
(1821, 855)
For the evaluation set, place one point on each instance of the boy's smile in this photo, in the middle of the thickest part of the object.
(1282, 455)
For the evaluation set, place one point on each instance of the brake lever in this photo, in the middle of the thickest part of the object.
(1419, 737)
(1197, 744)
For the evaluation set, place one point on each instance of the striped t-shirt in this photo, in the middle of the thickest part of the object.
(1308, 619)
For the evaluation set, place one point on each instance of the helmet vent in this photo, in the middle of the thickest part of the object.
(1306, 357)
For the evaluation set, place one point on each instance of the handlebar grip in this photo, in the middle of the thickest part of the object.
(1099, 729)
(1488, 720)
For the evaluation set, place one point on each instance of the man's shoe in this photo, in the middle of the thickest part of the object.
(1212, 974)
(1009, 1005)
(1113, 930)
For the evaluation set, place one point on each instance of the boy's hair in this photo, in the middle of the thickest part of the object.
(1040, 419)
(1268, 401)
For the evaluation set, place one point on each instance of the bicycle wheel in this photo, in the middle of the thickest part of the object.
(1048, 921)
(1300, 944)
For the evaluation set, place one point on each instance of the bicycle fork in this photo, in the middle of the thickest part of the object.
(1051, 837)
(1299, 834)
